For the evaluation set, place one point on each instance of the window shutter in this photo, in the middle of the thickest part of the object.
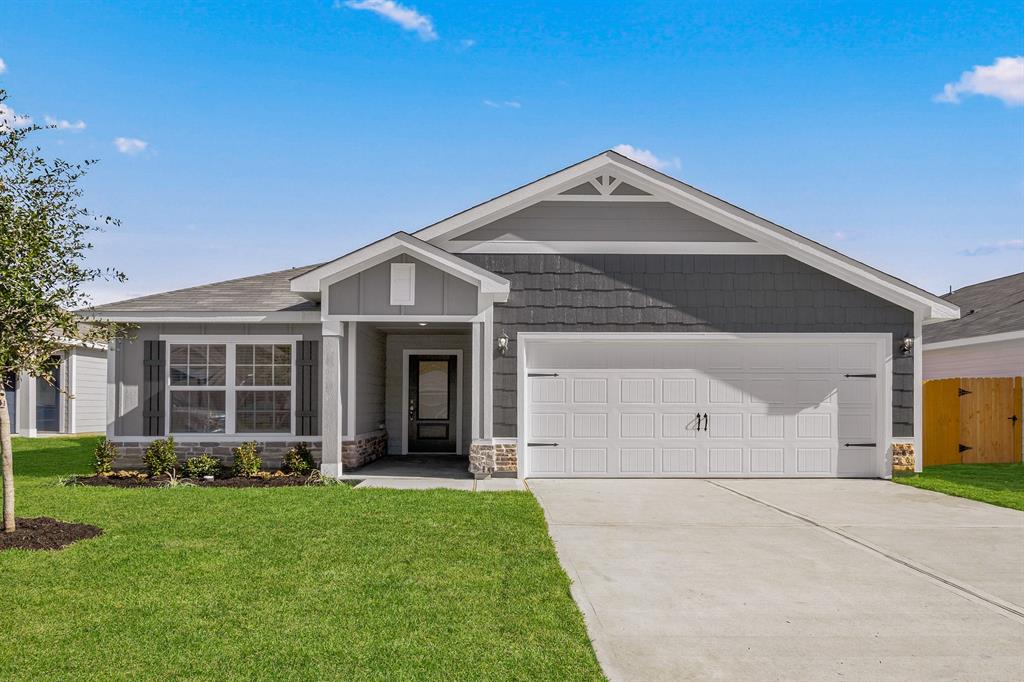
(403, 284)
(307, 388)
(153, 388)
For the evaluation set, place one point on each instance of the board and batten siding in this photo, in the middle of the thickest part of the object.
(129, 362)
(370, 353)
(996, 359)
(90, 390)
(684, 293)
(369, 292)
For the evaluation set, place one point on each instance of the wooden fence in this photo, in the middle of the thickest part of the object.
(972, 421)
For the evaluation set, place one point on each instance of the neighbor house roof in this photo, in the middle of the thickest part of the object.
(986, 309)
(269, 292)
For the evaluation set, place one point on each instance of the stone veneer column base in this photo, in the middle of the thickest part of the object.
(902, 457)
(363, 449)
(490, 456)
(130, 453)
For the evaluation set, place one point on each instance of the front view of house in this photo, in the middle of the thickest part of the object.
(605, 320)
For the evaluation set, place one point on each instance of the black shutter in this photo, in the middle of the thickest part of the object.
(153, 388)
(307, 388)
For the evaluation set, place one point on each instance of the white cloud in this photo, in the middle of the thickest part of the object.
(506, 104)
(3, 66)
(9, 118)
(646, 157)
(995, 247)
(406, 17)
(467, 43)
(64, 124)
(1004, 80)
(130, 145)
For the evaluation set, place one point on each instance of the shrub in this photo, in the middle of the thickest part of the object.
(203, 465)
(247, 460)
(160, 457)
(299, 460)
(103, 457)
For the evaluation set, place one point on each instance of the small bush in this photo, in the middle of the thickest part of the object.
(103, 458)
(160, 457)
(299, 460)
(247, 460)
(203, 465)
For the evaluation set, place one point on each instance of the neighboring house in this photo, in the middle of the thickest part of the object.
(605, 320)
(74, 400)
(987, 340)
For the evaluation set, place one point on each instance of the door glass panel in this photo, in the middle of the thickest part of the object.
(433, 389)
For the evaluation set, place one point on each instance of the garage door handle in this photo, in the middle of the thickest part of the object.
(860, 445)
(542, 445)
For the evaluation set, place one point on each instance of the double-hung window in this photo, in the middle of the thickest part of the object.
(227, 387)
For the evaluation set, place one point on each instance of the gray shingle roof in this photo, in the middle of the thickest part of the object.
(268, 292)
(991, 307)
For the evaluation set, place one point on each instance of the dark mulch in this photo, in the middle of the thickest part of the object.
(234, 482)
(46, 533)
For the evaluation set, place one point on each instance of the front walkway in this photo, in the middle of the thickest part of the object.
(414, 472)
(790, 580)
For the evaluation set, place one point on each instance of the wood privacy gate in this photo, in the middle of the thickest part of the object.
(972, 421)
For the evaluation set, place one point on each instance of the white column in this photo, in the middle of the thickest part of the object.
(488, 378)
(29, 405)
(918, 352)
(112, 411)
(476, 399)
(331, 400)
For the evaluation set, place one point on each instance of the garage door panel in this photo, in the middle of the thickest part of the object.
(725, 460)
(636, 460)
(548, 425)
(590, 425)
(767, 460)
(676, 425)
(725, 426)
(813, 460)
(590, 460)
(636, 425)
(814, 425)
(590, 390)
(677, 391)
(545, 460)
(725, 392)
(548, 390)
(636, 391)
(679, 460)
(858, 357)
(767, 426)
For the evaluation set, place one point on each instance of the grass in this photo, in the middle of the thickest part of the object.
(285, 583)
(999, 484)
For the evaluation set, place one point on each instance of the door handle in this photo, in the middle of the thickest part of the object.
(706, 421)
(412, 409)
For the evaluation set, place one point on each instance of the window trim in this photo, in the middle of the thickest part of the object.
(230, 389)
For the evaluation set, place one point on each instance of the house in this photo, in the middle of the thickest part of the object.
(604, 320)
(73, 400)
(987, 340)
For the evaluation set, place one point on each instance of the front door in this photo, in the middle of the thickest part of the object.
(48, 401)
(432, 404)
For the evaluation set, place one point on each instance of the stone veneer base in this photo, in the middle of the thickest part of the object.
(130, 453)
(487, 457)
(365, 448)
(902, 457)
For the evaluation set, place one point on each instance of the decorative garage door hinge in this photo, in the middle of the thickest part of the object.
(541, 374)
(542, 445)
(960, 393)
(860, 376)
(963, 448)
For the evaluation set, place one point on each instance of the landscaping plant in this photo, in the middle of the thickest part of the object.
(103, 458)
(44, 235)
(299, 460)
(160, 457)
(247, 460)
(203, 465)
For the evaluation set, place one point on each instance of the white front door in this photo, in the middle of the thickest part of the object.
(740, 409)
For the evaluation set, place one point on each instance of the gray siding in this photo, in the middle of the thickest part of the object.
(605, 221)
(128, 361)
(90, 382)
(396, 401)
(696, 293)
(369, 378)
(369, 292)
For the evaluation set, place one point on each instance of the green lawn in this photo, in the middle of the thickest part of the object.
(1001, 484)
(284, 583)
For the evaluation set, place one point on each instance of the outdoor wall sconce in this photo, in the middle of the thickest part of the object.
(907, 346)
(503, 343)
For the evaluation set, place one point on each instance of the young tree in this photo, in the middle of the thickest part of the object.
(43, 244)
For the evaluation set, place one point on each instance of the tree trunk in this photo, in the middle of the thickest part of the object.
(8, 462)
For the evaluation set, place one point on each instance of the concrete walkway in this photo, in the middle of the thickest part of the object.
(791, 580)
(411, 472)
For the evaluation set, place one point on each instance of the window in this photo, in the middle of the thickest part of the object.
(196, 405)
(230, 388)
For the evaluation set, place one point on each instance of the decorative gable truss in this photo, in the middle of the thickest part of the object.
(603, 185)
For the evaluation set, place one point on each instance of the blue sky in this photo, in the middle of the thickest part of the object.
(237, 138)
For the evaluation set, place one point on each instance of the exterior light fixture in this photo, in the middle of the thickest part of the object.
(503, 343)
(423, 324)
(907, 345)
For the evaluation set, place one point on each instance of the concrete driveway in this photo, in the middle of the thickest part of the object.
(791, 580)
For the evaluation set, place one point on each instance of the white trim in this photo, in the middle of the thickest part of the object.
(706, 206)
(918, 358)
(72, 362)
(112, 412)
(406, 354)
(221, 438)
(350, 378)
(476, 336)
(401, 318)
(207, 317)
(488, 387)
(753, 248)
(318, 279)
(883, 344)
(230, 389)
(972, 340)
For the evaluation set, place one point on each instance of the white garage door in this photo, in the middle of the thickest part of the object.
(729, 409)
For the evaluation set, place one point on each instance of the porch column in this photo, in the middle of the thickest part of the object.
(27, 408)
(331, 400)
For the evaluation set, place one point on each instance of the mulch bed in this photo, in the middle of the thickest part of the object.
(46, 533)
(234, 482)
